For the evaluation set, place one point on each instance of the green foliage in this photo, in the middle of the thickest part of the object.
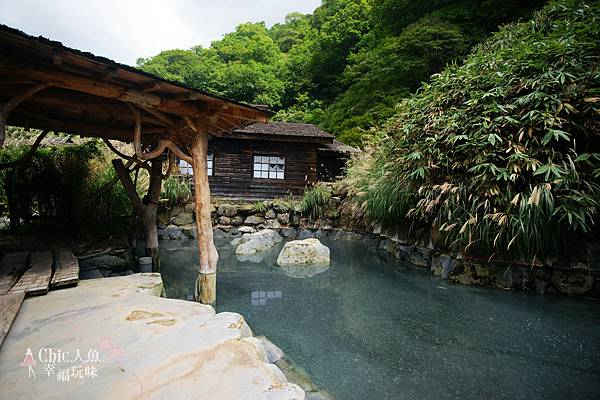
(395, 57)
(314, 202)
(176, 189)
(245, 65)
(502, 153)
(346, 66)
(260, 207)
(62, 187)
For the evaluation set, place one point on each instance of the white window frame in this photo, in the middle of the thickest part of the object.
(268, 166)
(186, 168)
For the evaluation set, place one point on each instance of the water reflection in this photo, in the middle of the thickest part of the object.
(259, 298)
(370, 327)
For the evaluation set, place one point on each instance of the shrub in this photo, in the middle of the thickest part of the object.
(501, 153)
(260, 207)
(314, 202)
(176, 189)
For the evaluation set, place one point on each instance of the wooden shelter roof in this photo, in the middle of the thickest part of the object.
(93, 96)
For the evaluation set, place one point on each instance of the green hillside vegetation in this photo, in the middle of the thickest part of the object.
(501, 154)
(345, 66)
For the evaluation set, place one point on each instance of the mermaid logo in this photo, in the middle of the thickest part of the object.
(29, 362)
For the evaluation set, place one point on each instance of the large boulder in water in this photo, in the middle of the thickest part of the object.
(303, 252)
(252, 243)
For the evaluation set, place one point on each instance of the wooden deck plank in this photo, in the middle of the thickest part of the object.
(66, 269)
(12, 266)
(36, 280)
(9, 304)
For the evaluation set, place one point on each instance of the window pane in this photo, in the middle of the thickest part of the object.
(256, 167)
(264, 174)
(264, 167)
(210, 157)
(256, 159)
(272, 175)
(282, 160)
(257, 174)
(265, 159)
(273, 159)
(280, 175)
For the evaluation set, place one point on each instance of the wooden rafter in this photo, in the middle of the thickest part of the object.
(100, 88)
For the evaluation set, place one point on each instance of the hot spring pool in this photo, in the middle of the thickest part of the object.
(371, 327)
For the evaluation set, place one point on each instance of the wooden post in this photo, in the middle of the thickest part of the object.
(206, 284)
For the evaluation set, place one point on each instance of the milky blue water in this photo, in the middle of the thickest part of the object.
(371, 327)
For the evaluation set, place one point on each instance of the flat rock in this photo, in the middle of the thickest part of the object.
(228, 210)
(254, 220)
(304, 252)
(252, 243)
(147, 347)
(305, 234)
(236, 221)
(289, 233)
(182, 219)
(272, 224)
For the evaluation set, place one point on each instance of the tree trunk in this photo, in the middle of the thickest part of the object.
(150, 209)
(147, 207)
(207, 281)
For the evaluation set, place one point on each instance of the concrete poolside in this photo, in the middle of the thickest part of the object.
(116, 338)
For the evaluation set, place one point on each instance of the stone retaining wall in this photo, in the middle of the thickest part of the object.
(344, 221)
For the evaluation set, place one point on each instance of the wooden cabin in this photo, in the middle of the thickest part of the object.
(268, 160)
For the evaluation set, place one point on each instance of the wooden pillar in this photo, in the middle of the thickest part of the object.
(206, 284)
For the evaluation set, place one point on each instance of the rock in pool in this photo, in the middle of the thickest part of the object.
(303, 252)
(252, 243)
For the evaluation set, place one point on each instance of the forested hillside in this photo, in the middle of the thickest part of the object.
(345, 66)
(500, 154)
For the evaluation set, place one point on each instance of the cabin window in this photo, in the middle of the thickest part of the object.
(185, 168)
(269, 167)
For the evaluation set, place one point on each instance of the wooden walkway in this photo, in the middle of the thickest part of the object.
(25, 274)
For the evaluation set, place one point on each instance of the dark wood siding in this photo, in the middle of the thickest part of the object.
(233, 168)
(331, 165)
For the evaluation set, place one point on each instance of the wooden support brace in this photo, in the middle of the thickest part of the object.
(10, 105)
(206, 282)
(163, 143)
(27, 156)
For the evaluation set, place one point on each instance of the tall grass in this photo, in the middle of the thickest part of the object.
(176, 189)
(314, 202)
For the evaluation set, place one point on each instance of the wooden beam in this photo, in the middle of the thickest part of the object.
(207, 279)
(97, 87)
(79, 103)
(76, 127)
(164, 118)
(57, 58)
(10, 105)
